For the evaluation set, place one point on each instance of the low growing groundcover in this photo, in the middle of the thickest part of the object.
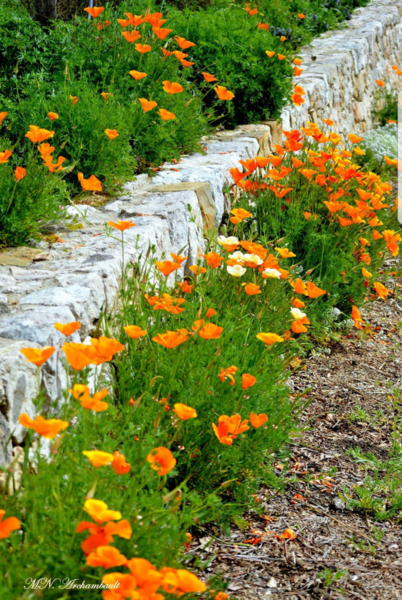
(195, 410)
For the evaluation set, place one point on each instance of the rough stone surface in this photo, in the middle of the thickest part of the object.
(341, 68)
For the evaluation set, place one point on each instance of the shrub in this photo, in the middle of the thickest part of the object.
(229, 45)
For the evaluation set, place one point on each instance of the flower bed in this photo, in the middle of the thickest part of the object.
(196, 405)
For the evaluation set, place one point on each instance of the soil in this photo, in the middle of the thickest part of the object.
(361, 558)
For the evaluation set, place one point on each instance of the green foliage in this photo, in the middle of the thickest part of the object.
(381, 492)
(386, 106)
(229, 45)
(28, 205)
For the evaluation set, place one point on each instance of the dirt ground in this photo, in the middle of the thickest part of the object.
(340, 550)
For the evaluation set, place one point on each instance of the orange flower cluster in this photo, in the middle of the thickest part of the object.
(99, 351)
(166, 302)
(82, 394)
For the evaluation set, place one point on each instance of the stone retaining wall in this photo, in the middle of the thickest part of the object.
(77, 277)
(341, 68)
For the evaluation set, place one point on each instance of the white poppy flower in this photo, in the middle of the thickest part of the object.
(236, 270)
(274, 273)
(297, 313)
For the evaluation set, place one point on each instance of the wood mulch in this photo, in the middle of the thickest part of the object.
(358, 371)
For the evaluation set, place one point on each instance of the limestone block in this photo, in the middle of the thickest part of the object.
(18, 388)
(204, 196)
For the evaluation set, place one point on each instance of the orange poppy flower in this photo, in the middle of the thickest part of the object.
(270, 53)
(297, 99)
(2, 116)
(67, 328)
(167, 267)
(301, 16)
(137, 74)
(78, 356)
(143, 48)
(121, 225)
(297, 71)
(74, 99)
(366, 273)
(357, 319)
(106, 96)
(183, 43)
(102, 536)
(111, 133)
(147, 105)
(165, 115)
(229, 428)
(223, 93)
(252, 12)
(228, 373)
(208, 77)
(197, 270)
(38, 356)
(210, 331)
(247, 381)
(171, 339)
(258, 420)
(161, 33)
(134, 331)
(53, 167)
(97, 458)
(281, 56)
(92, 184)
(162, 460)
(119, 464)
(313, 291)
(239, 215)
(381, 290)
(252, 289)
(391, 238)
(45, 149)
(36, 134)
(4, 156)
(81, 393)
(263, 26)
(19, 173)
(100, 512)
(355, 139)
(172, 88)
(285, 252)
(135, 20)
(269, 338)
(47, 428)
(213, 259)
(184, 412)
(8, 525)
(52, 116)
(298, 326)
(106, 557)
(123, 22)
(379, 82)
(132, 36)
(95, 11)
